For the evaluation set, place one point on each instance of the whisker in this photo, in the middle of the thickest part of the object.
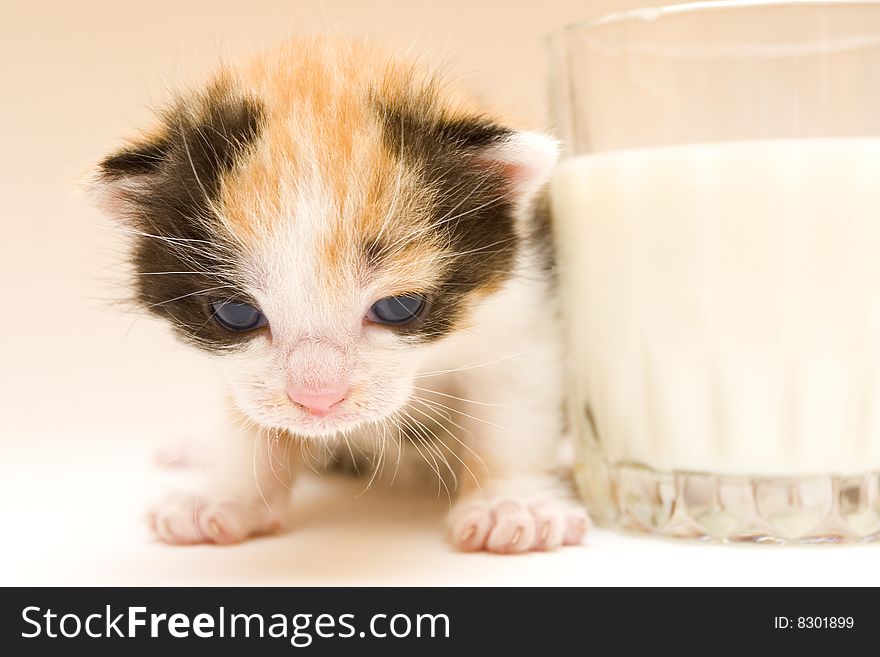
(211, 316)
(372, 478)
(276, 440)
(190, 294)
(430, 436)
(399, 442)
(472, 417)
(205, 196)
(354, 462)
(165, 273)
(256, 474)
(446, 219)
(415, 443)
(462, 399)
(469, 367)
(476, 456)
(481, 249)
(308, 458)
(164, 238)
(449, 449)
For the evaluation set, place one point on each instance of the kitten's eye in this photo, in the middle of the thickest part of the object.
(398, 310)
(236, 316)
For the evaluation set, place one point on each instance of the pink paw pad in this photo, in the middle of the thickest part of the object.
(185, 519)
(509, 526)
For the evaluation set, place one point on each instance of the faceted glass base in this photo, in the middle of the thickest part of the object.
(807, 509)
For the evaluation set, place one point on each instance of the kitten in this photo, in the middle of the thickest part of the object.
(356, 243)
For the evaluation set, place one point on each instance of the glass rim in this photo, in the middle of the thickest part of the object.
(650, 14)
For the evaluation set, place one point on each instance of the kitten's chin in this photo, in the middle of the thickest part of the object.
(322, 429)
(326, 427)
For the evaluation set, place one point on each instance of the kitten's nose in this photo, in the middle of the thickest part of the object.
(318, 402)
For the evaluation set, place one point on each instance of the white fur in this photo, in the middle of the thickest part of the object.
(497, 381)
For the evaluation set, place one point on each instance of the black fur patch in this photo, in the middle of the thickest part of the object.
(474, 211)
(138, 159)
(169, 187)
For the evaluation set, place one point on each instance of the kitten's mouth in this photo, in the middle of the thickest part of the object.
(329, 423)
(347, 415)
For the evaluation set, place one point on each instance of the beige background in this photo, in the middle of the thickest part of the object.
(78, 78)
(86, 390)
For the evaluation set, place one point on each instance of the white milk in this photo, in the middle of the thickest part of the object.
(723, 303)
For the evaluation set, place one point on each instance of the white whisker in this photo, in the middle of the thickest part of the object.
(191, 294)
(256, 473)
(476, 456)
(472, 417)
(469, 367)
(461, 399)
(433, 462)
(457, 439)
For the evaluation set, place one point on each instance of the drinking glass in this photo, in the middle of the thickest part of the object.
(717, 215)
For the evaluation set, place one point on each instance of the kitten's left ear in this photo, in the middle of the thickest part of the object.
(524, 159)
(119, 178)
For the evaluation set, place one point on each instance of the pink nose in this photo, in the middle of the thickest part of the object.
(318, 402)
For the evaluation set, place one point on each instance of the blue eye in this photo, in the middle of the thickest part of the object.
(398, 310)
(236, 316)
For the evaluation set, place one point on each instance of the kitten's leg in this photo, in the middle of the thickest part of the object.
(513, 498)
(241, 490)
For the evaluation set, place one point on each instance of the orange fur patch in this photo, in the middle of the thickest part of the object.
(320, 130)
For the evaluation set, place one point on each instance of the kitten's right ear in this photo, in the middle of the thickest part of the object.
(115, 183)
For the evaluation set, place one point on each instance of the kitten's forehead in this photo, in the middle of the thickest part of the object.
(337, 200)
(319, 173)
(332, 176)
(335, 222)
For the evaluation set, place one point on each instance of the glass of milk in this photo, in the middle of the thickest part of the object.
(718, 225)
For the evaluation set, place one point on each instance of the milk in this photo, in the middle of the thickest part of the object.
(723, 304)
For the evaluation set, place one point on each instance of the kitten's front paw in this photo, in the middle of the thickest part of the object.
(187, 519)
(508, 526)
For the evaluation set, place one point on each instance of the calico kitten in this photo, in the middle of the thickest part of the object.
(354, 241)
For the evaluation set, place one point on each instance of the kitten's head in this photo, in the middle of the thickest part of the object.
(320, 219)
